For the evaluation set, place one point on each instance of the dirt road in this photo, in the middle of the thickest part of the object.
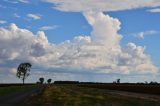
(17, 98)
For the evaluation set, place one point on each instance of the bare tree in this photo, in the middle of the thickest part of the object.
(23, 71)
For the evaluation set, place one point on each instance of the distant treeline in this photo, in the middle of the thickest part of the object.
(66, 82)
(77, 82)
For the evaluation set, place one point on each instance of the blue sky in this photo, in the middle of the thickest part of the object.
(139, 25)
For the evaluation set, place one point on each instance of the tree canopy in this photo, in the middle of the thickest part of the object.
(49, 81)
(23, 71)
(41, 80)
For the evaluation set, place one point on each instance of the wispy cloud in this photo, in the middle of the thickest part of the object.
(155, 10)
(7, 7)
(23, 1)
(43, 28)
(1, 6)
(16, 15)
(16, 1)
(11, 1)
(101, 5)
(3, 22)
(145, 33)
(34, 16)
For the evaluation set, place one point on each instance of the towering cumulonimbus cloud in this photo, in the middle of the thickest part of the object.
(105, 28)
(105, 32)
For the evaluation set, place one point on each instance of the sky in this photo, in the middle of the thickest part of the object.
(84, 40)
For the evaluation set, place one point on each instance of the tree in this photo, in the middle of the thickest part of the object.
(41, 80)
(118, 81)
(23, 71)
(49, 81)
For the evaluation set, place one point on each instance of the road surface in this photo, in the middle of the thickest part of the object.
(19, 97)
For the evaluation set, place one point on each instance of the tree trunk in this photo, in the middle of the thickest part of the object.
(23, 81)
(24, 77)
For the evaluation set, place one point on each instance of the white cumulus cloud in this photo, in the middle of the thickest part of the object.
(103, 25)
(77, 55)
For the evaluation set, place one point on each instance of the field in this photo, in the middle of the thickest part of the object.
(139, 88)
(74, 95)
(80, 95)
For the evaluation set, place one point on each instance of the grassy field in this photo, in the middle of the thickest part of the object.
(73, 95)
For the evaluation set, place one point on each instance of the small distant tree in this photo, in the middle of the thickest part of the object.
(118, 81)
(114, 82)
(153, 83)
(23, 71)
(146, 82)
(41, 80)
(37, 82)
(49, 81)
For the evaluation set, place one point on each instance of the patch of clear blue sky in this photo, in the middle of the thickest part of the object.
(72, 24)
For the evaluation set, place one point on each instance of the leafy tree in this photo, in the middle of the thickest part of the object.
(49, 81)
(37, 82)
(118, 81)
(153, 83)
(41, 80)
(23, 71)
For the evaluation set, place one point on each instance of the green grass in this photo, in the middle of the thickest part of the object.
(11, 89)
(72, 95)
